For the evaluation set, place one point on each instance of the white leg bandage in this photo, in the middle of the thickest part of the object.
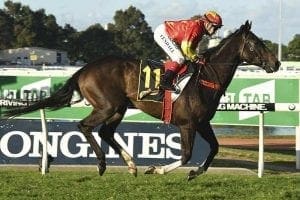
(167, 168)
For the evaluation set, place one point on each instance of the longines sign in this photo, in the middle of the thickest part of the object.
(147, 143)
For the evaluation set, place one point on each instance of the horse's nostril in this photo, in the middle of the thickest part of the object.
(277, 64)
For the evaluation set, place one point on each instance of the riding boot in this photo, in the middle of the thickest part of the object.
(167, 82)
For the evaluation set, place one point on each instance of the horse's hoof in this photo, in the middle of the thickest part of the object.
(150, 170)
(101, 168)
(132, 170)
(192, 175)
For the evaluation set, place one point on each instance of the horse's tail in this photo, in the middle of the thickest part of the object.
(60, 98)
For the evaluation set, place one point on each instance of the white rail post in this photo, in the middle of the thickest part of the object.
(298, 147)
(44, 142)
(261, 145)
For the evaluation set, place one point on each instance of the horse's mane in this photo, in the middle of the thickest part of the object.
(215, 50)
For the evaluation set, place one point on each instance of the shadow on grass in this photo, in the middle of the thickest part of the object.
(268, 149)
(282, 166)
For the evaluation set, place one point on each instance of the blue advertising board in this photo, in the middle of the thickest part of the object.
(148, 143)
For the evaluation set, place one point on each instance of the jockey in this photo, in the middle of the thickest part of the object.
(179, 39)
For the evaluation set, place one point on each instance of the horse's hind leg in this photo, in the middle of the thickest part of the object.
(187, 133)
(86, 126)
(107, 134)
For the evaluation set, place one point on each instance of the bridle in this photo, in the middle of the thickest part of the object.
(216, 85)
(252, 48)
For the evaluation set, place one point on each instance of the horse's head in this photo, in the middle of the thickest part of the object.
(253, 51)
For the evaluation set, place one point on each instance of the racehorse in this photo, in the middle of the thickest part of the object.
(109, 84)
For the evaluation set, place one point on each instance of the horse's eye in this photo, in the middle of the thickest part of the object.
(251, 46)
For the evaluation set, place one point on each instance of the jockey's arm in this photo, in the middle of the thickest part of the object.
(189, 43)
(188, 51)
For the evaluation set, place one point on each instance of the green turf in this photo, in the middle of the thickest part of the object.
(86, 184)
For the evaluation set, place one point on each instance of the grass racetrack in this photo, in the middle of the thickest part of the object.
(84, 183)
(280, 181)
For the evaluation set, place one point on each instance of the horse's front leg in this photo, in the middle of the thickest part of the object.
(187, 134)
(207, 133)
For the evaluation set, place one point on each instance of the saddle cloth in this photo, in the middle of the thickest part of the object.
(149, 81)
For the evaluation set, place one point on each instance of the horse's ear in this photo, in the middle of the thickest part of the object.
(248, 25)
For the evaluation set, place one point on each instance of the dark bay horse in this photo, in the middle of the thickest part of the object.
(110, 84)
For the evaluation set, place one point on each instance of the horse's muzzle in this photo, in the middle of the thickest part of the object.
(277, 65)
(273, 68)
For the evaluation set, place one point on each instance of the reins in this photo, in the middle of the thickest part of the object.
(216, 84)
